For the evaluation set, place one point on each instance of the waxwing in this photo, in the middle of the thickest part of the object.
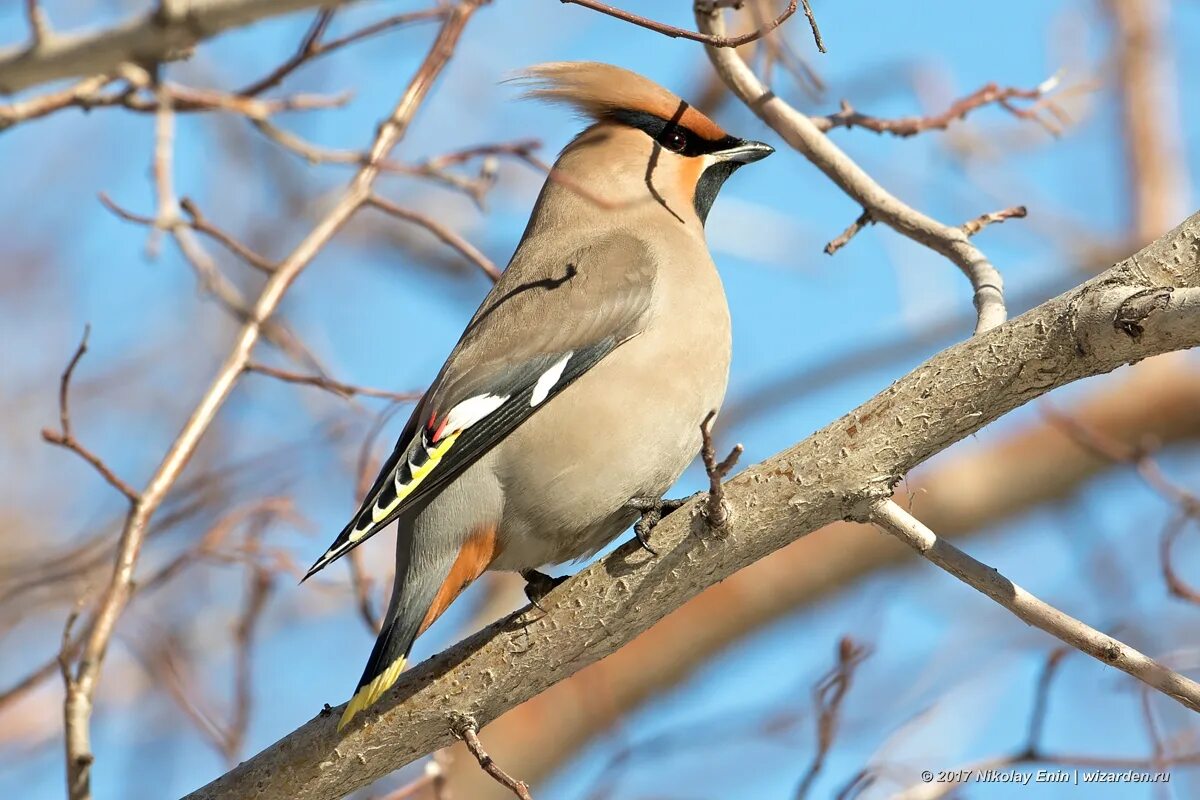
(574, 398)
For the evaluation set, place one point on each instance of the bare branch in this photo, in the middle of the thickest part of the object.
(312, 48)
(464, 729)
(989, 94)
(716, 509)
(802, 134)
(983, 220)
(201, 224)
(843, 238)
(39, 24)
(829, 694)
(1105, 649)
(149, 38)
(64, 437)
(683, 33)
(344, 390)
(812, 23)
(1175, 585)
(78, 94)
(468, 250)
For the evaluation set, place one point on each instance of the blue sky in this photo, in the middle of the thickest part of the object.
(377, 316)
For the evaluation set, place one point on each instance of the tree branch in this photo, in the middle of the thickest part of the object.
(147, 39)
(968, 492)
(707, 38)
(827, 477)
(799, 131)
(65, 437)
(1084, 638)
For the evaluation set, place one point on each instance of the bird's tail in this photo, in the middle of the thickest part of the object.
(383, 669)
(419, 598)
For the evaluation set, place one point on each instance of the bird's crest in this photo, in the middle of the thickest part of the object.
(601, 90)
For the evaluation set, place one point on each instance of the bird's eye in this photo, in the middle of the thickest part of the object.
(675, 140)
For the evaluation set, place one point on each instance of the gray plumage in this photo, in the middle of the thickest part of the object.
(581, 381)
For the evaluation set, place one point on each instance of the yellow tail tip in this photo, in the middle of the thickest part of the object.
(367, 695)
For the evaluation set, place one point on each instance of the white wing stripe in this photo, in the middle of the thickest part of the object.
(541, 389)
(471, 410)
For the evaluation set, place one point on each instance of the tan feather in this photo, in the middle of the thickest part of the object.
(598, 90)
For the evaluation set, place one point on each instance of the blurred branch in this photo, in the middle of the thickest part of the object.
(1033, 751)
(804, 135)
(707, 38)
(312, 48)
(88, 94)
(165, 33)
(895, 520)
(81, 683)
(828, 696)
(65, 437)
(827, 477)
(344, 390)
(1175, 585)
(448, 236)
(1147, 92)
(989, 94)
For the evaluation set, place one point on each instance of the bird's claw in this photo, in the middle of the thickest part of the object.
(538, 585)
(652, 510)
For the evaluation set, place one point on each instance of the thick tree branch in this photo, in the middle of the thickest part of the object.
(974, 490)
(799, 131)
(828, 476)
(146, 39)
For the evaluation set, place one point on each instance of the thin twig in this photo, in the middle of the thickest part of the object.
(812, 23)
(989, 94)
(983, 220)
(683, 33)
(65, 437)
(829, 694)
(200, 224)
(311, 47)
(864, 219)
(716, 510)
(1175, 584)
(465, 729)
(468, 250)
(344, 390)
(1105, 649)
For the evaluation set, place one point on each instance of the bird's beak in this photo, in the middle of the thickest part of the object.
(745, 152)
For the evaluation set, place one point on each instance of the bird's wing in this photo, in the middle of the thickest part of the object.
(545, 323)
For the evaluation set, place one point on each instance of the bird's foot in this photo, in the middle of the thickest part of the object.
(538, 585)
(652, 510)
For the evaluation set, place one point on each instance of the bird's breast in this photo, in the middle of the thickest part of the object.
(626, 428)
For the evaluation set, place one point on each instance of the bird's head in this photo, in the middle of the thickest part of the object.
(645, 144)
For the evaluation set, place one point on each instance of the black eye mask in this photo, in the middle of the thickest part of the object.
(660, 129)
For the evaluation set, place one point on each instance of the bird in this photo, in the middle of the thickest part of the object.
(574, 399)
